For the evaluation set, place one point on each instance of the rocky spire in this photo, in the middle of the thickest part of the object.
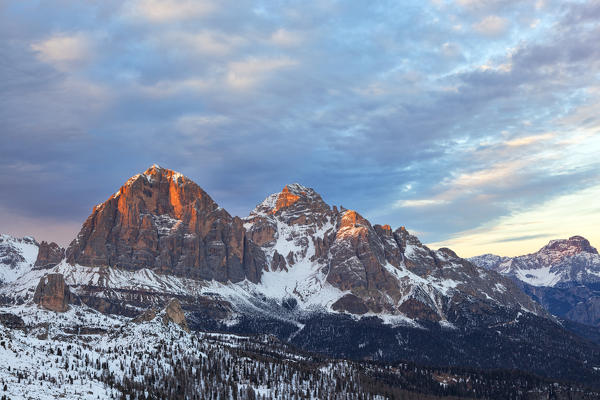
(52, 293)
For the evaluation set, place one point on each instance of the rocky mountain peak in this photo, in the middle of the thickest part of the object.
(161, 220)
(161, 191)
(293, 200)
(285, 199)
(568, 247)
(560, 262)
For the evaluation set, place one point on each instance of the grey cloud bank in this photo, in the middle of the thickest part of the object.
(419, 114)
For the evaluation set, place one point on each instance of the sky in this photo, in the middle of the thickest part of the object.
(474, 123)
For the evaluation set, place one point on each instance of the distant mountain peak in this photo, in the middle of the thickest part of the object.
(560, 261)
(573, 245)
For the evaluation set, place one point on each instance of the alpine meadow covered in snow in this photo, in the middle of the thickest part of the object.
(320, 200)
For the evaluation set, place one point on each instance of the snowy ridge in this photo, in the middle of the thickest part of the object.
(560, 261)
(304, 276)
(105, 282)
(17, 256)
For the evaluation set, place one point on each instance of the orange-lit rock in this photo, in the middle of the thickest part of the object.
(352, 224)
(163, 221)
(285, 199)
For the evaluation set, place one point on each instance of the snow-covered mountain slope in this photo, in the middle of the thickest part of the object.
(17, 256)
(336, 258)
(296, 268)
(563, 276)
(559, 262)
(161, 235)
(83, 354)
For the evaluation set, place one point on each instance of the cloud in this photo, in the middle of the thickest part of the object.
(527, 231)
(527, 140)
(249, 72)
(164, 11)
(286, 38)
(63, 50)
(244, 99)
(492, 25)
(211, 43)
(482, 6)
(469, 183)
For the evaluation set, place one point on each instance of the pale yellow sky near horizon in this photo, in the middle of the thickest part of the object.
(527, 231)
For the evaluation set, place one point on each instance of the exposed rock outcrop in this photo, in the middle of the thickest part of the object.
(12, 321)
(171, 313)
(53, 293)
(174, 313)
(380, 269)
(49, 255)
(164, 221)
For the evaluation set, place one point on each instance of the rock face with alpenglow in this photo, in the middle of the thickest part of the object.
(163, 221)
(52, 293)
(49, 255)
(320, 277)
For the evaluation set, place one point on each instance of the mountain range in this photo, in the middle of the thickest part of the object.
(563, 276)
(314, 276)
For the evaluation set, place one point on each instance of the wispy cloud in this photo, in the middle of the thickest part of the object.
(442, 116)
(527, 140)
(171, 10)
(64, 50)
(526, 231)
(247, 73)
(286, 38)
(492, 25)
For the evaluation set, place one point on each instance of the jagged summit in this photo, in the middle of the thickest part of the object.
(17, 255)
(161, 220)
(292, 198)
(155, 174)
(563, 276)
(559, 262)
(293, 244)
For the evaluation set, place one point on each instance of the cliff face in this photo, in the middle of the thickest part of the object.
(293, 244)
(370, 267)
(163, 221)
(52, 293)
(49, 255)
